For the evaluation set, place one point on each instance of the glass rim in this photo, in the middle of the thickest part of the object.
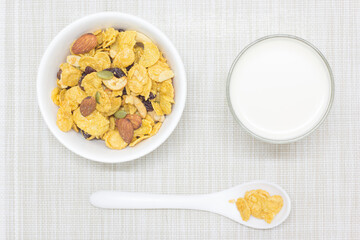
(330, 102)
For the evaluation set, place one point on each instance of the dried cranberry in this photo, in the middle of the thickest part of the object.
(85, 134)
(129, 67)
(59, 74)
(116, 71)
(146, 103)
(79, 83)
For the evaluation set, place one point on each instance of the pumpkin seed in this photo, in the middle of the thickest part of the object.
(120, 114)
(97, 97)
(106, 75)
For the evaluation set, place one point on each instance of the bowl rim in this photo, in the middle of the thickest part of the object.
(316, 126)
(155, 32)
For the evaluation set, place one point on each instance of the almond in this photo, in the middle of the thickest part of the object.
(135, 120)
(84, 44)
(87, 106)
(125, 129)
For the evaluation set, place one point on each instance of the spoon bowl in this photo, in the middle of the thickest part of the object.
(218, 202)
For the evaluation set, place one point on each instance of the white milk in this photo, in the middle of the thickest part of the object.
(280, 88)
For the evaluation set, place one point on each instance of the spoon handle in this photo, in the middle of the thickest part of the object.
(133, 200)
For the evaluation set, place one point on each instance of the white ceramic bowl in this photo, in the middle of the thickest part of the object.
(56, 54)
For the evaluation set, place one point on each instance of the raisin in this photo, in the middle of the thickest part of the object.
(124, 92)
(116, 71)
(152, 96)
(146, 103)
(59, 74)
(120, 30)
(89, 70)
(129, 67)
(85, 134)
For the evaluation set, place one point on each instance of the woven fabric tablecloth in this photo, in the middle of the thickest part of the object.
(44, 188)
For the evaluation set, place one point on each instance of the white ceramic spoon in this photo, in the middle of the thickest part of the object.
(215, 202)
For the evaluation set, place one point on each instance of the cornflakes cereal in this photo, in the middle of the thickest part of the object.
(109, 37)
(157, 108)
(127, 38)
(115, 104)
(155, 70)
(69, 75)
(62, 96)
(91, 83)
(137, 78)
(145, 129)
(64, 119)
(73, 97)
(243, 208)
(55, 96)
(95, 124)
(156, 128)
(129, 108)
(99, 61)
(141, 84)
(112, 125)
(103, 102)
(260, 204)
(125, 57)
(166, 96)
(113, 140)
(151, 55)
(139, 51)
(137, 140)
(75, 128)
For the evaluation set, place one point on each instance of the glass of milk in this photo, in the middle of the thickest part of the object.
(280, 88)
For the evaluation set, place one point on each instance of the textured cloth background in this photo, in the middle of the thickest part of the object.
(44, 188)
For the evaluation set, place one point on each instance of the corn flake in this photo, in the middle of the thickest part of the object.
(73, 97)
(91, 83)
(151, 54)
(157, 108)
(112, 124)
(155, 70)
(167, 89)
(156, 128)
(99, 61)
(55, 96)
(260, 204)
(70, 75)
(127, 38)
(104, 103)
(145, 129)
(137, 78)
(139, 51)
(125, 57)
(115, 104)
(137, 140)
(113, 140)
(129, 108)
(109, 37)
(64, 119)
(243, 208)
(95, 124)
